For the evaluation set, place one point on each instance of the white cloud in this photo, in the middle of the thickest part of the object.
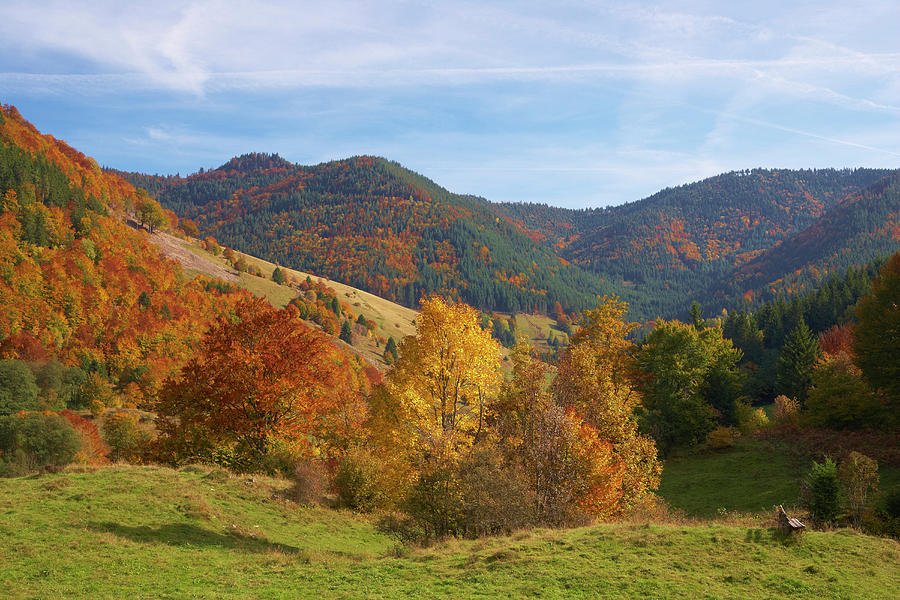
(666, 90)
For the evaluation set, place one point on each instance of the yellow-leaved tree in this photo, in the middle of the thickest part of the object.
(444, 380)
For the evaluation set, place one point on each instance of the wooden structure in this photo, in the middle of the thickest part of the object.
(788, 525)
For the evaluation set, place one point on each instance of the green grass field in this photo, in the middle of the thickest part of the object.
(151, 532)
(752, 476)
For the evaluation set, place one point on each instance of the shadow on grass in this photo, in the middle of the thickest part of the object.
(185, 534)
(772, 534)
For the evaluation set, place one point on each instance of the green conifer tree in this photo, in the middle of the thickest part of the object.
(797, 362)
(346, 332)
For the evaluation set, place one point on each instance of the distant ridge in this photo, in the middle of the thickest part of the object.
(383, 228)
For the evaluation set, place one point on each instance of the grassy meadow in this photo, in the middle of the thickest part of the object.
(198, 532)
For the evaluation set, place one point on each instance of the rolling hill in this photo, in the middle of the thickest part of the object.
(374, 225)
(686, 242)
(81, 287)
(382, 228)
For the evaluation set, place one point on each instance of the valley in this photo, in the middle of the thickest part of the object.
(344, 380)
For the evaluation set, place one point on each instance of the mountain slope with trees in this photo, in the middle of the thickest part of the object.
(685, 242)
(375, 225)
(372, 224)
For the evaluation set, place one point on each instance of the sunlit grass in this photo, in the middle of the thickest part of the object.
(126, 531)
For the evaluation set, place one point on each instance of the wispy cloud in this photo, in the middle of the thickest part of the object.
(660, 91)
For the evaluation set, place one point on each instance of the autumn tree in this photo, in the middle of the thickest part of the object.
(259, 382)
(840, 398)
(445, 377)
(278, 276)
(595, 379)
(878, 333)
(124, 436)
(524, 397)
(859, 477)
(149, 211)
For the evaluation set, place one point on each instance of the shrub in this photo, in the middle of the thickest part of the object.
(886, 519)
(357, 481)
(124, 436)
(787, 411)
(750, 419)
(310, 482)
(435, 503)
(93, 449)
(33, 441)
(496, 497)
(823, 489)
(404, 528)
(721, 437)
(18, 390)
(840, 398)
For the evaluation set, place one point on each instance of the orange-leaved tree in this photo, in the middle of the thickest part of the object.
(596, 379)
(259, 382)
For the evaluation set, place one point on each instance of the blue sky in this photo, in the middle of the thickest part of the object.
(573, 104)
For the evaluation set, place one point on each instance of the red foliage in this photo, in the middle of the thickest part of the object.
(94, 449)
(837, 339)
(260, 378)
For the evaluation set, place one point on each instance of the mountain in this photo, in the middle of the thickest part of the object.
(80, 288)
(684, 243)
(372, 224)
(100, 314)
(862, 225)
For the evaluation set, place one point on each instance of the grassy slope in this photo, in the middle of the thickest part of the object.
(393, 319)
(130, 531)
(753, 476)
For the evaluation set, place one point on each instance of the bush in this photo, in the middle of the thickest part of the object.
(840, 398)
(496, 497)
(34, 441)
(126, 440)
(94, 450)
(310, 482)
(404, 528)
(721, 437)
(18, 390)
(357, 481)
(885, 520)
(787, 411)
(750, 419)
(823, 490)
(435, 503)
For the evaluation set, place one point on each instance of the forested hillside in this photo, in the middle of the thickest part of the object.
(99, 315)
(862, 225)
(372, 224)
(375, 225)
(684, 242)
